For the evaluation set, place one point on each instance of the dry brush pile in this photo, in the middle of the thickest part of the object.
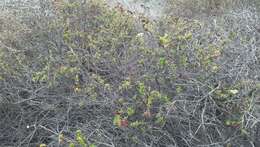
(85, 74)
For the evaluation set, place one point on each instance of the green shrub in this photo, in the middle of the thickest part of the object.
(127, 80)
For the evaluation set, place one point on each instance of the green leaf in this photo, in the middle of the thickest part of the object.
(141, 88)
(160, 119)
(164, 40)
(228, 122)
(80, 138)
(233, 91)
(162, 61)
(150, 100)
(136, 124)
(117, 120)
(188, 35)
(92, 145)
(71, 145)
(130, 111)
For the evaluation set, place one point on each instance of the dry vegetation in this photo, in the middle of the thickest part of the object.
(85, 75)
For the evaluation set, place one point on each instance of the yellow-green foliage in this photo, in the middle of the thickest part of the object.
(137, 124)
(43, 145)
(164, 40)
(11, 63)
(71, 145)
(117, 120)
(81, 139)
(130, 111)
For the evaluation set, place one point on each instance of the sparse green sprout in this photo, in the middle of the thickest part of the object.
(40, 76)
(232, 123)
(165, 98)
(160, 119)
(81, 104)
(71, 144)
(43, 145)
(67, 36)
(81, 139)
(164, 40)
(183, 60)
(107, 86)
(150, 100)
(126, 84)
(71, 5)
(92, 145)
(258, 85)
(134, 139)
(162, 61)
(130, 111)
(121, 101)
(232, 35)
(155, 94)
(233, 91)
(71, 57)
(140, 37)
(66, 70)
(137, 124)
(117, 120)
(228, 122)
(141, 88)
(188, 36)
(229, 145)
(214, 68)
(179, 89)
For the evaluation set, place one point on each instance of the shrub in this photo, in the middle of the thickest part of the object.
(89, 73)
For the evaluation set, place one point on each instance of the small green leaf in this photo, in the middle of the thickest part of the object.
(188, 35)
(141, 88)
(136, 124)
(80, 138)
(117, 120)
(130, 111)
(164, 40)
(71, 145)
(162, 61)
(43, 145)
(160, 119)
(228, 122)
(233, 91)
(92, 145)
(150, 100)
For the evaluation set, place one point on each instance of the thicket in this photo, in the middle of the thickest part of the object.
(86, 74)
